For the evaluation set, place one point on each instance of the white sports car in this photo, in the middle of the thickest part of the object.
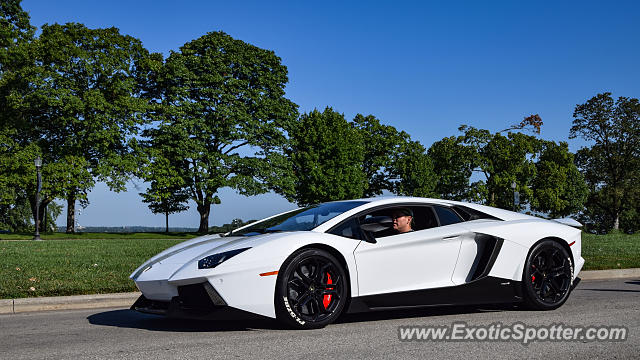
(307, 266)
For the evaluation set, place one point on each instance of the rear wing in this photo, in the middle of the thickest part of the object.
(568, 222)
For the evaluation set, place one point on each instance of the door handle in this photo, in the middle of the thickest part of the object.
(452, 237)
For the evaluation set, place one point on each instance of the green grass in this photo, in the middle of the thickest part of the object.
(72, 267)
(613, 251)
(64, 236)
(93, 266)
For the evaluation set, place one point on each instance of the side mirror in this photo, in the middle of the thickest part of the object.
(377, 223)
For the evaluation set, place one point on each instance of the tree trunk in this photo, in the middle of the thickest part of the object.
(166, 220)
(71, 213)
(204, 211)
(616, 222)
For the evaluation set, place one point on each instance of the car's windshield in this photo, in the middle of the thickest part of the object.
(303, 219)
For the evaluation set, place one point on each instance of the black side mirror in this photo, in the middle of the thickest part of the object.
(377, 223)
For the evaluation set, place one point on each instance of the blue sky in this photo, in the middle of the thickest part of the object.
(423, 67)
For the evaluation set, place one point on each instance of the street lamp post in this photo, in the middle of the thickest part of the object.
(38, 163)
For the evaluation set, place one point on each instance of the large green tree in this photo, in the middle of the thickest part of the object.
(15, 30)
(16, 33)
(83, 108)
(383, 144)
(501, 160)
(452, 166)
(221, 120)
(326, 155)
(412, 171)
(559, 189)
(611, 165)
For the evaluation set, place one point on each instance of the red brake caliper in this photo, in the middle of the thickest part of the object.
(327, 298)
(533, 277)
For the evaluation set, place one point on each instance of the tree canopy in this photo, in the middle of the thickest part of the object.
(452, 166)
(326, 156)
(559, 188)
(221, 119)
(83, 108)
(611, 165)
(383, 145)
(96, 106)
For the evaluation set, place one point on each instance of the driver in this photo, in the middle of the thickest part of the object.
(402, 219)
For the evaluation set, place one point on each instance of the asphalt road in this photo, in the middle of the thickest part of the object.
(124, 334)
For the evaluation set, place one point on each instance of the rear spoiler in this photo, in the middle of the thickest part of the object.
(568, 221)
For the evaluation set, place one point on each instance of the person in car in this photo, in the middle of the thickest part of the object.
(402, 219)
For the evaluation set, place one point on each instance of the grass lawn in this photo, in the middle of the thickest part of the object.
(90, 266)
(73, 267)
(613, 251)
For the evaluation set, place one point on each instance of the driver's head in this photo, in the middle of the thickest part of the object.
(402, 218)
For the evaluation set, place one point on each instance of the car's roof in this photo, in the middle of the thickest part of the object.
(394, 199)
(497, 212)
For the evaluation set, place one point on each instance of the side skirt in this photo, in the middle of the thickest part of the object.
(486, 290)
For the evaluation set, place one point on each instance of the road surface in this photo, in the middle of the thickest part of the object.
(124, 334)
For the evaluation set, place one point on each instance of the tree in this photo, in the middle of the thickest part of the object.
(165, 201)
(17, 185)
(413, 171)
(611, 166)
(501, 160)
(15, 30)
(382, 146)
(326, 155)
(221, 119)
(452, 166)
(83, 108)
(165, 195)
(558, 188)
(16, 217)
(16, 33)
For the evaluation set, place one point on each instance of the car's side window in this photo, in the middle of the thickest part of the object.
(447, 216)
(349, 229)
(423, 218)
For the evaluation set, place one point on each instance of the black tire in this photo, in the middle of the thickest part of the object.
(548, 276)
(311, 290)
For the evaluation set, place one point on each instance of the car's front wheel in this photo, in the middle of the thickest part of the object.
(548, 276)
(311, 289)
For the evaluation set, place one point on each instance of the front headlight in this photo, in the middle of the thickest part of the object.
(214, 260)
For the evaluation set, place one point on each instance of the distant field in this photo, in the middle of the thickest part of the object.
(87, 265)
(101, 235)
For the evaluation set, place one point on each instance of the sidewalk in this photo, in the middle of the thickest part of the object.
(124, 300)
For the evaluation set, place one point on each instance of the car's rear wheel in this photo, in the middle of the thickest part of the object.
(311, 289)
(548, 276)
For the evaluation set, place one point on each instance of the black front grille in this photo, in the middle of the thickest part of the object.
(151, 306)
(200, 297)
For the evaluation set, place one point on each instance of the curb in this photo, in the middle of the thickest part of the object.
(24, 305)
(609, 274)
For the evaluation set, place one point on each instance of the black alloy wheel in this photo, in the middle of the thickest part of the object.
(548, 276)
(311, 289)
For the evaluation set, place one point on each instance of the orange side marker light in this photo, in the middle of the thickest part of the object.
(269, 273)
